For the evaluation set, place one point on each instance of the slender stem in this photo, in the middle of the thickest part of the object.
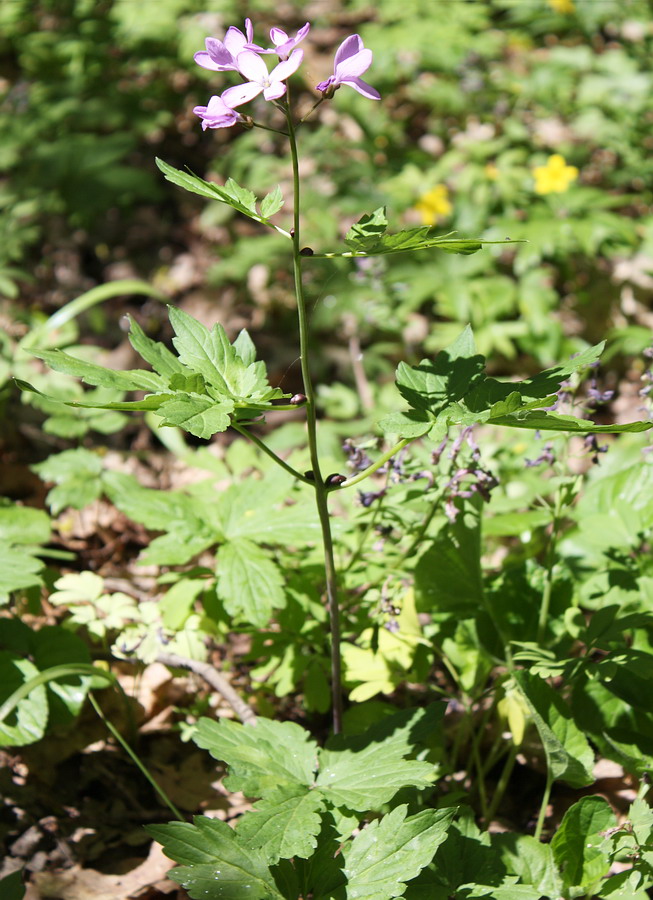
(543, 806)
(502, 784)
(311, 426)
(264, 447)
(370, 470)
(550, 562)
(267, 128)
(128, 750)
(212, 677)
(311, 110)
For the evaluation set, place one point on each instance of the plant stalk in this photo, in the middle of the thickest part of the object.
(543, 806)
(311, 426)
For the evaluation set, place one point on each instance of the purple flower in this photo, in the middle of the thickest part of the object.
(217, 114)
(352, 59)
(220, 56)
(283, 45)
(254, 69)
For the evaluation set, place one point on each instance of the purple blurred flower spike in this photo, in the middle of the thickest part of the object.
(351, 60)
(259, 80)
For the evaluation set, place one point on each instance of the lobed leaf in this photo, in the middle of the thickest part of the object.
(285, 824)
(250, 583)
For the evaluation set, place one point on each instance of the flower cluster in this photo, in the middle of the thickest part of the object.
(237, 52)
(434, 205)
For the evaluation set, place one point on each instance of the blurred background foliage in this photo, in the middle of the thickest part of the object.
(529, 120)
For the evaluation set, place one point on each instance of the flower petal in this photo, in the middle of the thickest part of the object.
(241, 93)
(354, 65)
(276, 89)
(252, 67)
(288, 67)
(278, 36)
(362, 87)
(249, 30)
(234, 40)
(350, 46)
(203, 59)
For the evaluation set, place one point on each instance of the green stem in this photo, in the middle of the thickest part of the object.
(128, 750)
(550, 563)
(311, 426)
(502, 784)
(264, 447)
(370, 470)
(267, 128)
(543, 806)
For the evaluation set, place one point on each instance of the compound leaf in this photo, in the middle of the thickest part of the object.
(285, 824)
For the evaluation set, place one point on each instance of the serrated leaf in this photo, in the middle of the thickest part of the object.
(272, 203)
(239, 198)
(156, 354)
(537, 420)
(215, 864)
(576, 843)
(531, 860)
(19, 569)
(261, 759)
(250, 583)
(152, 402)
(411, 424)
(285, 824)
(569, 756)
(393, 850)
(130, 380)
(366, 771)
(244, 512)
(23, 525)
(76, 474)
(211, 354)
(244, 347)
(196, 414)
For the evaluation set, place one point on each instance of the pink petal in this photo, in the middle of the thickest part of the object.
(252, 66)
(354, 65)
(276, 89)
(204, 60)
(234, 40)
(350, 46)
(249, 30)
(288, 67)
(303, 31)
(241, 93)
(362, 87)
(278, 36)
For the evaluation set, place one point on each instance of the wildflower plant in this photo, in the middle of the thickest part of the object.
(304, 837)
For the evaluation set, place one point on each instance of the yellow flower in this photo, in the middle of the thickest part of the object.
(434, 205)
(562, 6)
(555, 177)
(492, 171)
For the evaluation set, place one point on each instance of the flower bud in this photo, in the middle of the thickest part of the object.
(298, 399)
(335, 479)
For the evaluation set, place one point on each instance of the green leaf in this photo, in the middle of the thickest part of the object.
(19, 569)
(130, 380)
(577, 843)
(239, 198)
(244, 347)
(262, 758)
(159, 357)
(284, 824)
(76, 474)
(27, 723)
(569, 756)
(538, 420)
(23, 525)
(393, 850)
(411, 424)
(272, 203)
(211, 354)
(244, 511)
(196, 414)
(11, 886)
(366, 771)
(531, 860)
(64, 429)
(250, 583)
(368, 237)
(448, 575)
(216, 865)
